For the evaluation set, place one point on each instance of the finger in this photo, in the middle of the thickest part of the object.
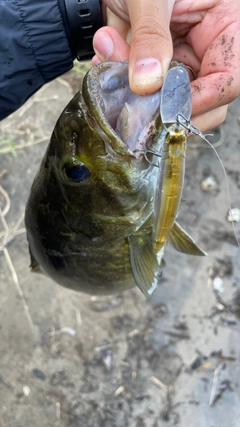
(122, 26)
(210, 120)
(185, 54)
(96, 60)
(151, 44)
(219, 80)
(110, 46)
(212, 91)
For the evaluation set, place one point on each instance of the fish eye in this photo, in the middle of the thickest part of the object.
(77, 172)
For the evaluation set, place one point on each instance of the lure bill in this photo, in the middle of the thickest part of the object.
(176, 108)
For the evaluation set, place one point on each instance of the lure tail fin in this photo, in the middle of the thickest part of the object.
(182, 242)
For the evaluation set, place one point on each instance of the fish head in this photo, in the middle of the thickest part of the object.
(96, 160)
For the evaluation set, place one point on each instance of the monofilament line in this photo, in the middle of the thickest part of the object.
(227, 186)
(192, 129)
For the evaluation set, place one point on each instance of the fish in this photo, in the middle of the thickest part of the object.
(89, 216)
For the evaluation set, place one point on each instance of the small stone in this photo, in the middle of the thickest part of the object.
(218, 284)
(233, 215)
(208, 184)
(26, 390)
(39, 374)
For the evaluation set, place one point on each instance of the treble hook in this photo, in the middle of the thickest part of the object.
(155, 153)
(147, 151)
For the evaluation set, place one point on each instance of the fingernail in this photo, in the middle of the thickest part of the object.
(104, 47)
(95, 60)
(147, 72)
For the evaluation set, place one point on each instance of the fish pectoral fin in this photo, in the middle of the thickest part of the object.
(145, 264)
(182, 242)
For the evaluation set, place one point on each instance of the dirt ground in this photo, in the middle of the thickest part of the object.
(71, 360)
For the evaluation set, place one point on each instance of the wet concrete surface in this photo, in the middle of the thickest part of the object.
(71, 360)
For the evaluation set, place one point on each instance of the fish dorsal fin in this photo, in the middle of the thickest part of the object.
(182, 242)
(145, 264)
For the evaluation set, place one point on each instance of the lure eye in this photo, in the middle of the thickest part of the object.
(78, 172)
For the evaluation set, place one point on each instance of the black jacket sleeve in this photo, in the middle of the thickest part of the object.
(34, 49)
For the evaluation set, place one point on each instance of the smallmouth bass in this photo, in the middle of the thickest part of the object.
(89, 217)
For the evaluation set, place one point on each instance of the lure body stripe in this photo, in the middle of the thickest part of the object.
(170, 184)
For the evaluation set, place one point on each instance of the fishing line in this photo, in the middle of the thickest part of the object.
(192, 129)
(215, 144)
(227, 186)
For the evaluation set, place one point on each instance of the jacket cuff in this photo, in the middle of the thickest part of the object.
(47, 37)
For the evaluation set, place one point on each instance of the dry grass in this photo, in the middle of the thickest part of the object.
(6, 236)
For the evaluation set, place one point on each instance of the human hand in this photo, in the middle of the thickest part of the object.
(204, 34)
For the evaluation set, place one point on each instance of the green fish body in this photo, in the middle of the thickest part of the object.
(89, 217)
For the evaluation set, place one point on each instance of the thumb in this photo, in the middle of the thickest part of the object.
(151, 44)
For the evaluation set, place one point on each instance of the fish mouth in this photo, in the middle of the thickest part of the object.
(127, 119)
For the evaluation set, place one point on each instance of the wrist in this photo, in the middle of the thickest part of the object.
(82, 18)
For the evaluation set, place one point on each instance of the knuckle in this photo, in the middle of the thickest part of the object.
(150, 27)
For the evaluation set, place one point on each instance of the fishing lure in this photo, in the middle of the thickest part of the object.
(176, 108)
